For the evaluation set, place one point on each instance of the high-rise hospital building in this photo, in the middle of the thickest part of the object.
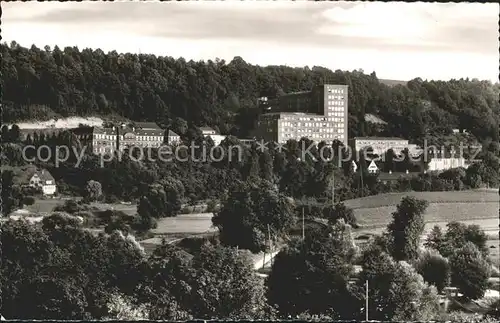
(319, 114)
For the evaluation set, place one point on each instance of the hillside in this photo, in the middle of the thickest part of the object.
(392, 199)
(393, 82)
(474, 206)
(48, 83)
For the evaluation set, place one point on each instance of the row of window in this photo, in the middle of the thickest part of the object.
(316, 137)
(335, 114)
(335, 97)
(140, 144)
(335, 103)
(113, 137)
(321, 130)
(304, 118)
(330, 90)
(313, 131)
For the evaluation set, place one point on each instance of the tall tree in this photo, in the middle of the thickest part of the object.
(407, 227)
(311, 275)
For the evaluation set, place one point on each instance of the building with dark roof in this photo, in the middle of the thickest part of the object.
(146, 125)
(173, 138)
(319, 114)
(380, 145)
(106, 140)
(40, 179)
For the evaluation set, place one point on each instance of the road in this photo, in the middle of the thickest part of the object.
(261, 260)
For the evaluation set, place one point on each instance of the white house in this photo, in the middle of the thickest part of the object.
(44, 180)
(372, 168)
(209, 132)
(173, 138)
(217, 139)
(437, 164)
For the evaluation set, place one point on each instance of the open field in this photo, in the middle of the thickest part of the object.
(44, 206)
(186, 224)
(478, 207)
(375, 217)
(390, 199)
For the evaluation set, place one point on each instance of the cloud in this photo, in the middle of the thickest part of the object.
(388, 26)
(279, 32)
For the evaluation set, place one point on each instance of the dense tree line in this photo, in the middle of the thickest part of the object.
(195, 177)
(57, 269)
(40, 83)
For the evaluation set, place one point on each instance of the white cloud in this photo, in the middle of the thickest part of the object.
(392, 22)
(397, 40)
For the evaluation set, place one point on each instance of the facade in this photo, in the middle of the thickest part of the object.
(380, 145)
(217, 139)
(173, 138)
(320, 115)
(372, 168)
(42, 179)
(439, 164)
(106, 140)
(209, 132)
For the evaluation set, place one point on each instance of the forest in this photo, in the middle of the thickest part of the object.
(50, 82)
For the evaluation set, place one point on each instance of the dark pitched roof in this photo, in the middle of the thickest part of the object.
(206, 128)
(379, 138)
(374, 119)
(171, 133)
(147, 125)
(394, 176)
(26, 174)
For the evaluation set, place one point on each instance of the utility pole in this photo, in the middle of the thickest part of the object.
(362, 184)
(303, 229)
(366, 301)
(333, 188)
(270, 245)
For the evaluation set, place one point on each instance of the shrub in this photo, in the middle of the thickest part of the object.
(469, 271)
(28, 200)
(434, 268)
(212, 206)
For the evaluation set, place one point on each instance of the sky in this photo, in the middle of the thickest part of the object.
(397, 40)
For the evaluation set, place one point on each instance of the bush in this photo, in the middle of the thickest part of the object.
(28, 200)
(69, 206)
(434, 268)
(212, 206)
(89, 219)
(187, 210)
(469, 271)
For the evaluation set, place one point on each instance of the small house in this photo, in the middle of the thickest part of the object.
(372, 168)
(173, 138)
(42, 179)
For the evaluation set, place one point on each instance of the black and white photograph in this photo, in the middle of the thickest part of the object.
(250, 161)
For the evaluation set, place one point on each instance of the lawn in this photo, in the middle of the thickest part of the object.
(48, 205)
(185, 224)
(470, 207)
(390, 199)
(44, 206)
(484, 214)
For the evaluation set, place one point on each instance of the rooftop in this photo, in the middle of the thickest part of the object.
(394, 176)
(147, 125)
(374, 119)
(294, 114)
(171, 133)
(380, 138)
